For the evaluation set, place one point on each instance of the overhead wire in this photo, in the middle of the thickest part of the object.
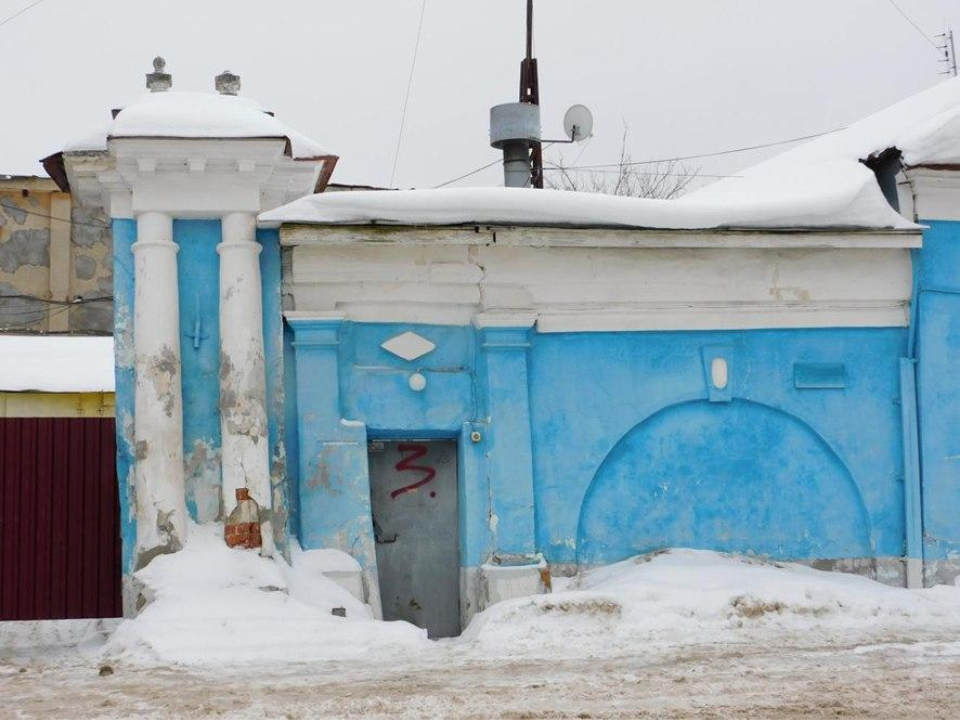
(678, 158)
(7, 205)
(20, 12)
(916, 27)
(406, 99)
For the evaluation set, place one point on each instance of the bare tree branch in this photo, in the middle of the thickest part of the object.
(663, 181)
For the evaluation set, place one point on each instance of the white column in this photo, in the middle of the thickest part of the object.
(158, 422)
(243, 387)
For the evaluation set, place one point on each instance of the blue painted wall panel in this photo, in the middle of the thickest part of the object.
(273, 339)
(938, 388)
(795, 473)
(590, 390)
(124, 236)
(198, 271)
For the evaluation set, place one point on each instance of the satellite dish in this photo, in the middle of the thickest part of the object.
(578, 123)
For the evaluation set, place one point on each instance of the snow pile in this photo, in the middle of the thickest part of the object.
(176, 114)
(56, 364)
(689, 596)
(213, 605)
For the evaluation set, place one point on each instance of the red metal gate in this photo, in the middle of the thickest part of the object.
(59, 519)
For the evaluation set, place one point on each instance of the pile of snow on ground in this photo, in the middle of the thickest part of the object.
(210, 604)
(687, 596)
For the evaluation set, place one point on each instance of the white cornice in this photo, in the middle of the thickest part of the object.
(936, 193)
(326, 235)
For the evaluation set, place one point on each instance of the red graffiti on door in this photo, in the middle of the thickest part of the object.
(415, 453)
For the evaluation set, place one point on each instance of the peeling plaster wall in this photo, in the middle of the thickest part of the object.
(273, 339)
(199, 280)
(24, 259)
(198, 276)
(32, 263)
(125, 234)
(91, 247)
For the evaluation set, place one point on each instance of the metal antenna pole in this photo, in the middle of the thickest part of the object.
(953, 53)
(530, 93)
(949, 53)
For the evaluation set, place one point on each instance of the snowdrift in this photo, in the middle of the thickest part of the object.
(688, 596)
(213, 605)
(210, 605)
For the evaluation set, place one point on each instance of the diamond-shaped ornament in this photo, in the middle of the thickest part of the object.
(408, 346)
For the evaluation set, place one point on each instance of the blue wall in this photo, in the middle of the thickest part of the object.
(938, 389)
(198, 270)
(124, 235)
(588, 438)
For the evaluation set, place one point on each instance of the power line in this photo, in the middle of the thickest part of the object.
(406, 99)
(661, 160)
(20, 12)
(466, 175)
(556, 168)
(914, 25)
(718, 153)
(36, 298)
(9, 206)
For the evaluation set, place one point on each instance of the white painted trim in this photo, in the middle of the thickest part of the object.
(335, 235)
(723, 318)
(586, 289)
(505, 319)
(936, 193)
(310, 315)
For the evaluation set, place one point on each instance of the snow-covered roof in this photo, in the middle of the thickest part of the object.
(46, 363)
(821, 204)
(822, 184)
(176, 114)
(925, 128)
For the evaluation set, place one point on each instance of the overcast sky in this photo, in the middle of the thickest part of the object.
(686, 76)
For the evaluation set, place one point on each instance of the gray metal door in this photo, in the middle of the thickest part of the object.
(414, 490)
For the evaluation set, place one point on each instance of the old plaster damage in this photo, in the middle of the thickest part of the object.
(56, 273)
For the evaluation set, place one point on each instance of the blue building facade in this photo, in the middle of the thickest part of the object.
(610, 389)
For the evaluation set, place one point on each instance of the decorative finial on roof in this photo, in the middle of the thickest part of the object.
(158, 80)
(227, 83)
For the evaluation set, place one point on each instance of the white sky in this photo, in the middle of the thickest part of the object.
(687, 76)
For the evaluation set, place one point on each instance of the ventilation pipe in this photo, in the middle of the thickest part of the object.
(515, 129)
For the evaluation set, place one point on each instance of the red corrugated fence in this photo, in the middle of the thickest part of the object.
(59, 519)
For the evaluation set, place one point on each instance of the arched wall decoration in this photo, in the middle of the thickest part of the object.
(735, 477)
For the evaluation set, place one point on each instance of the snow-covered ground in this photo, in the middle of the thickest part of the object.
(676, 634)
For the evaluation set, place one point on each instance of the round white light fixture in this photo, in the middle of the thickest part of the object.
(417, 382)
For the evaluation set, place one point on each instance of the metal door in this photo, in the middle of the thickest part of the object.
(414, 492)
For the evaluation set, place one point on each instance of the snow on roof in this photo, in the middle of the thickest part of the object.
(47, 363)
(822, 184)
(177, 114)
(807, 204)
(925, 128)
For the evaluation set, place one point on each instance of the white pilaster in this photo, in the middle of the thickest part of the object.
(243, 416)
(158, 428)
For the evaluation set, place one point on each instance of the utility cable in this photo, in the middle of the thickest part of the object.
(13, 209)
(406, 99)
(661, 160)
(20, 12)
(915, 26)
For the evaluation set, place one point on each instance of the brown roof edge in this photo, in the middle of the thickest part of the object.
(953, 167)
(53, 164)
(326, 170)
